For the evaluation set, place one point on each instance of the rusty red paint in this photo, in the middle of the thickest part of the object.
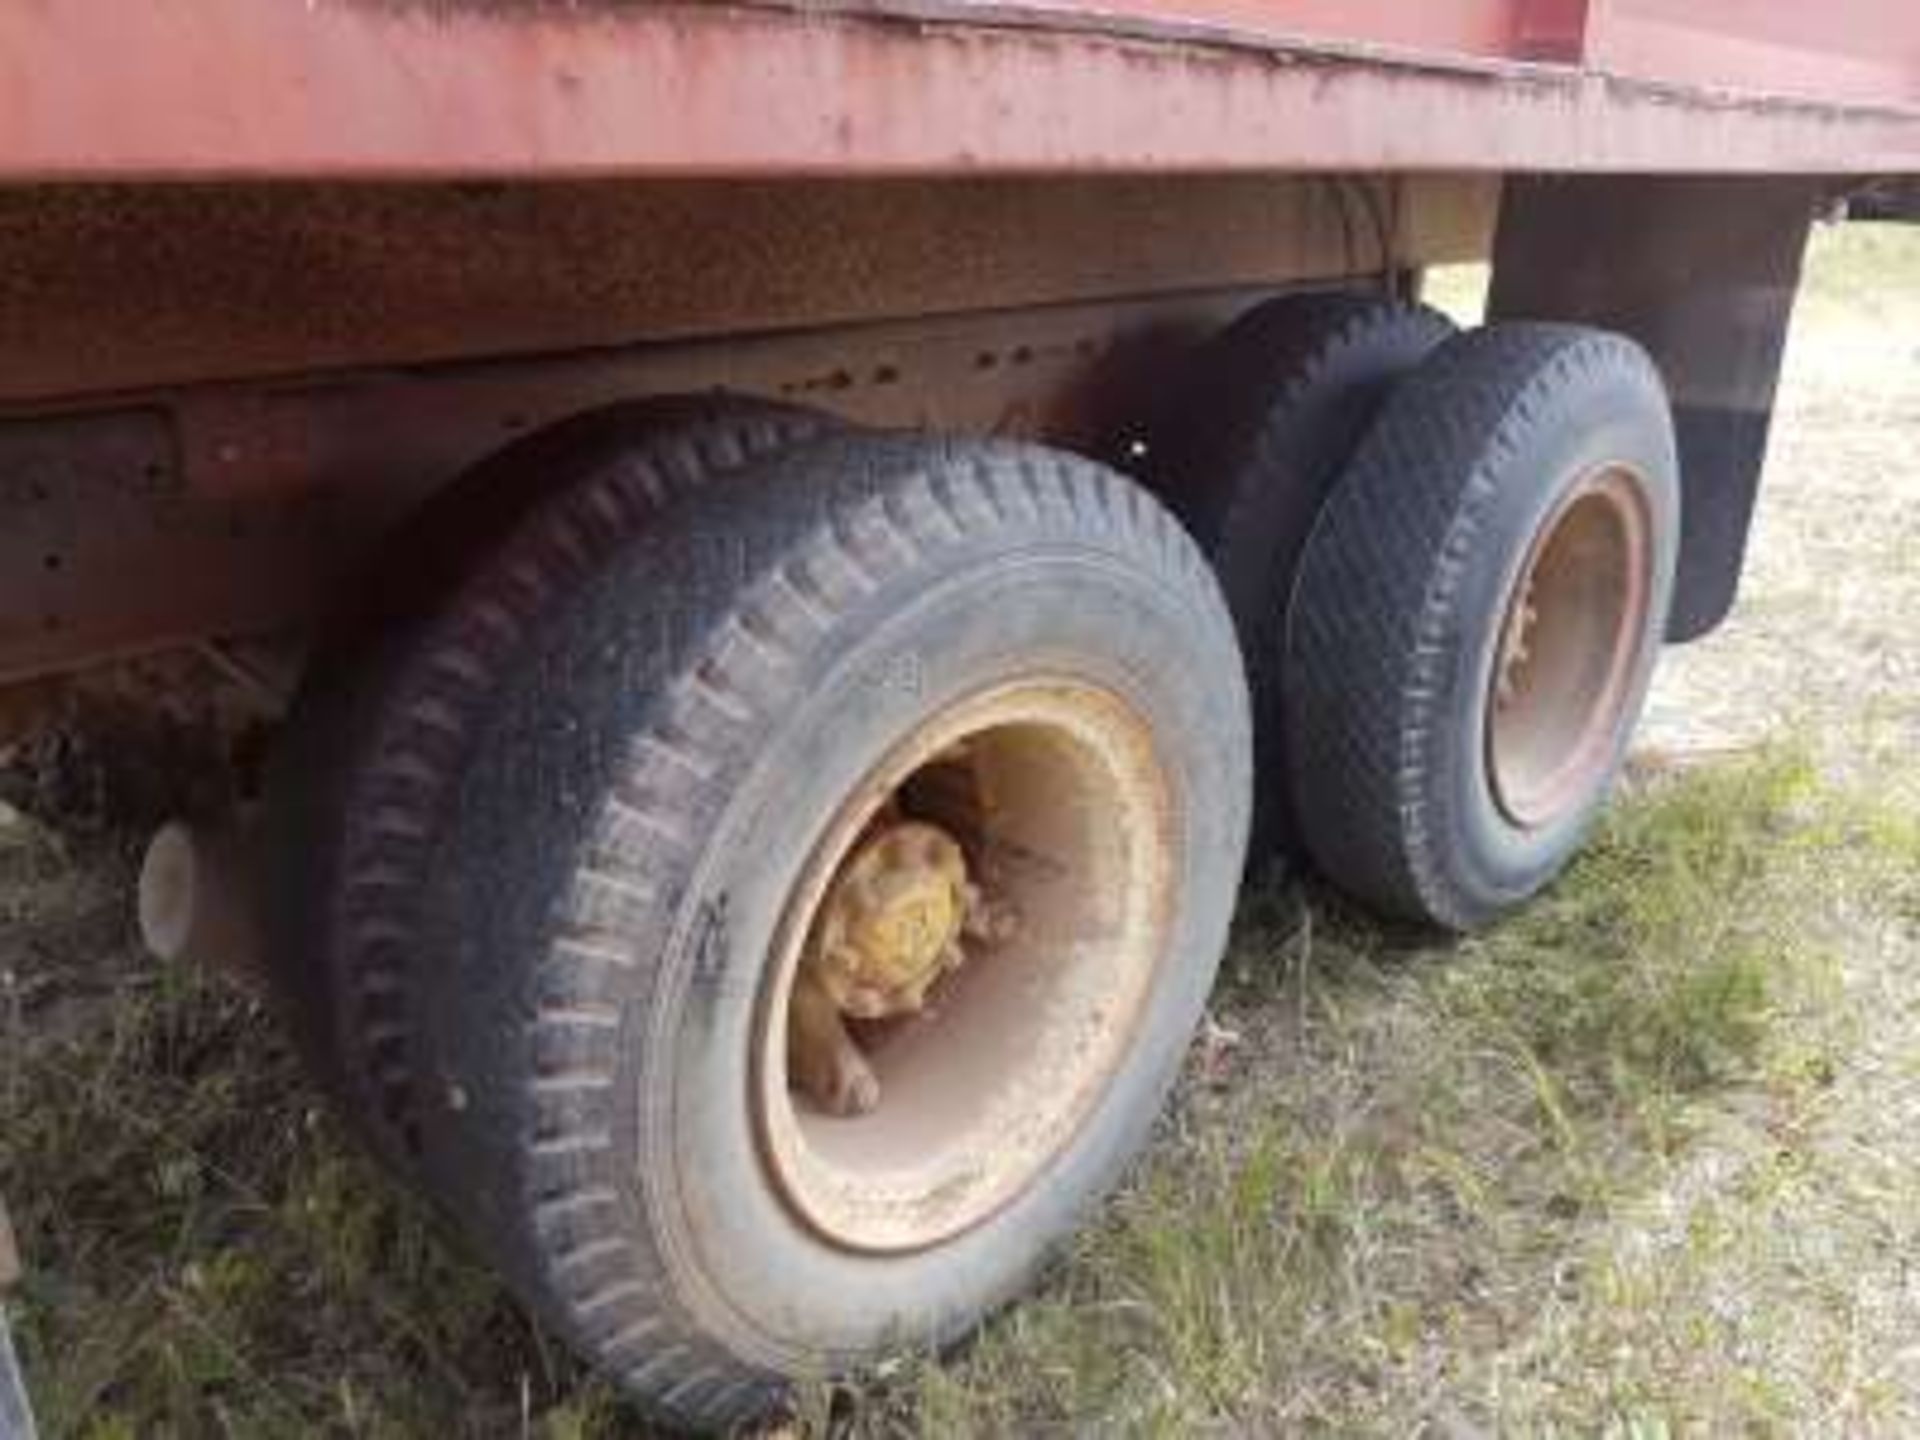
(1556, 30)
(135, 513)
(1840, 51)
(1852, 51)
(228, 88)
(1483, 29)
(228, 511)
(125, 288)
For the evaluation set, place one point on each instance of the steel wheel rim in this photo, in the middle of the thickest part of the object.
(981, 1093)
(1568, 645)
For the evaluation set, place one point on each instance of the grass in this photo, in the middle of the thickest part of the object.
(1369, 1228)
(1862, 266)
(1377, 1204)
(208, 1253)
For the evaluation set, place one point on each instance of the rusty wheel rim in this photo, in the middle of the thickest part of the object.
(983, 1090)
(1569, 643)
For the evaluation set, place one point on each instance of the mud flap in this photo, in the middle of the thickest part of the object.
(1702, 272)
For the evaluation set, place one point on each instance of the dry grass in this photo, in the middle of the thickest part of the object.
(1388, 1195)
(1414, 1197)
(1645, 1161)
(208, 1255)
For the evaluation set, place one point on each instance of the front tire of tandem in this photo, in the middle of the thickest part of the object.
(1478, 615)
(375, 744)
(785, 721)
(1245, 450)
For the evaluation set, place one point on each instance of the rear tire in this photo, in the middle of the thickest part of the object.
(1246, 451)
(659, 768)
(377, 736)
(1477, 620)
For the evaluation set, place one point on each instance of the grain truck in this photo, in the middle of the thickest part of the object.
(797, 552)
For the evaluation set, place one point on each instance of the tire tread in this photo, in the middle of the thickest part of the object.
(1377, 602)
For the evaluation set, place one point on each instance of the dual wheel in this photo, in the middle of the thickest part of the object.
(760, 878)
(1450, 559)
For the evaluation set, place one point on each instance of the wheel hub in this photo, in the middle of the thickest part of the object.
(1564, 670)
(891, 923)
(940, 1022)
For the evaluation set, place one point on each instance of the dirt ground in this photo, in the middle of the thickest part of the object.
(1647, 1162)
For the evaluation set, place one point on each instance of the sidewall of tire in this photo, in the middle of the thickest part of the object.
(374, 663)
(706, 1179)
(1497, 863)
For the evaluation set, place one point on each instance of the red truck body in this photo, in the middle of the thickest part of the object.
(275, 272)
(232, 88)
(267, 260)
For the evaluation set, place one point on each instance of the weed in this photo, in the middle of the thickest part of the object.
(207, 1255)
(1363, 1229)
(1375, 1213)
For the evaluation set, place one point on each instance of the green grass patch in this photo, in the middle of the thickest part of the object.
(1653, 969)
(1862, 264)
(207, 1253)
(1352, 1233)
(1355, 1219)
